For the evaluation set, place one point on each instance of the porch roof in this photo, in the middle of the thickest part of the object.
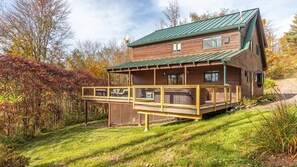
(194, 58)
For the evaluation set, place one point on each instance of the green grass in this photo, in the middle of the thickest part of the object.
(219, 141)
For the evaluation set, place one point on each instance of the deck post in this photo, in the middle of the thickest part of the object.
(226, 97)
(134, 96)
(198, 99)
(109, 115)
(237, 94)
(147, 122)
(86, 113)
(230, 94)
(240, 94)
(162, 95)
(155, 77)
(186, 76)
(214, 99)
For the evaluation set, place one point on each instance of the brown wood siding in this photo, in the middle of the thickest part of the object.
(192, 45)
(249, 63)
(195, 75)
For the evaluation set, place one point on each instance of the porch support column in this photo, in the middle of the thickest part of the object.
(186, 75)
(86, 113)
(225, 73)
(155, 77)
(129, 78)
(108, 78)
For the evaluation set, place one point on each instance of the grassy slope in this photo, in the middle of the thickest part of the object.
(219, 141)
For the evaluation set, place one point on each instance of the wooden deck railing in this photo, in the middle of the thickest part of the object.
(162, 98)
(105, 93)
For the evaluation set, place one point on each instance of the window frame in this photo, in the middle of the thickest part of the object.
(177, 76)
(176, 45)
(211, 37)
(211, 73)
(258, 50)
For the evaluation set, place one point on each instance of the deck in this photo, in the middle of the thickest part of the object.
(185, 101)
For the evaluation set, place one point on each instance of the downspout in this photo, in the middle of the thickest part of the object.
(225, 72)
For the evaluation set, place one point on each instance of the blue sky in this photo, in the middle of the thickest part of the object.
(105, 20)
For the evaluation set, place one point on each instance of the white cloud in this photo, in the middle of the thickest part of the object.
(105, 20)
(100, 21)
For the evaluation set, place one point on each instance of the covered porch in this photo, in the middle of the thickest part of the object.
(185, 86)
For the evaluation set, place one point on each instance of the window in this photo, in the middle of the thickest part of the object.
(175, 79)
(212, 42)
(176, 47)
(260, 78)
(258, 50)
(226, 40)
(251, 46)
(211, 76)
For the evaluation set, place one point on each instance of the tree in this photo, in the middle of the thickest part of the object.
(291, 36)
(95, 58)
(194, 16)
(281, 53)
(58, 101)
(31, 28)
(172, 15)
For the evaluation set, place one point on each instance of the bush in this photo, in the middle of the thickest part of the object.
(10, 158)
(267, 97)
(269, 83)
(277, 132)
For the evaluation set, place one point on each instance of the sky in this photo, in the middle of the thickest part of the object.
(106, 20)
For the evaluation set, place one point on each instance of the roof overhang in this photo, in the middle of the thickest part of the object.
(203, 59)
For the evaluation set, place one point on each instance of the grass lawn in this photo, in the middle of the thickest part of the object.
(219, 141)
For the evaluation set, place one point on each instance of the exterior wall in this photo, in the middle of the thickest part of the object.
(195, 76)
(123, 114)
(250, 63)
(191, 45)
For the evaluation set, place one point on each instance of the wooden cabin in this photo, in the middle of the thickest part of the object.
(188, 70)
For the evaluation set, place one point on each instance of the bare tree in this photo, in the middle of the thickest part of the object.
(31, 28)
(172, 15)
(194, 16)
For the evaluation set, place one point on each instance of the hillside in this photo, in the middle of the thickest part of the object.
(219, 141)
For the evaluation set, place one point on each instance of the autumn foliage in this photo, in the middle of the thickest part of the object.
(39, 96)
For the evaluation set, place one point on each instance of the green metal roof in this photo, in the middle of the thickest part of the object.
(226, 55)
(226, 22)
(211, 56)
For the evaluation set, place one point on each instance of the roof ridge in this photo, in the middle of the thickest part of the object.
(205, 20)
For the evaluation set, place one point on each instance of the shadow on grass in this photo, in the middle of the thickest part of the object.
(124, 145)
(162, 142)
(60, 136)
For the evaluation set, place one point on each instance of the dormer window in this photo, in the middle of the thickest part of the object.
(212, 42)
(176, 47)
